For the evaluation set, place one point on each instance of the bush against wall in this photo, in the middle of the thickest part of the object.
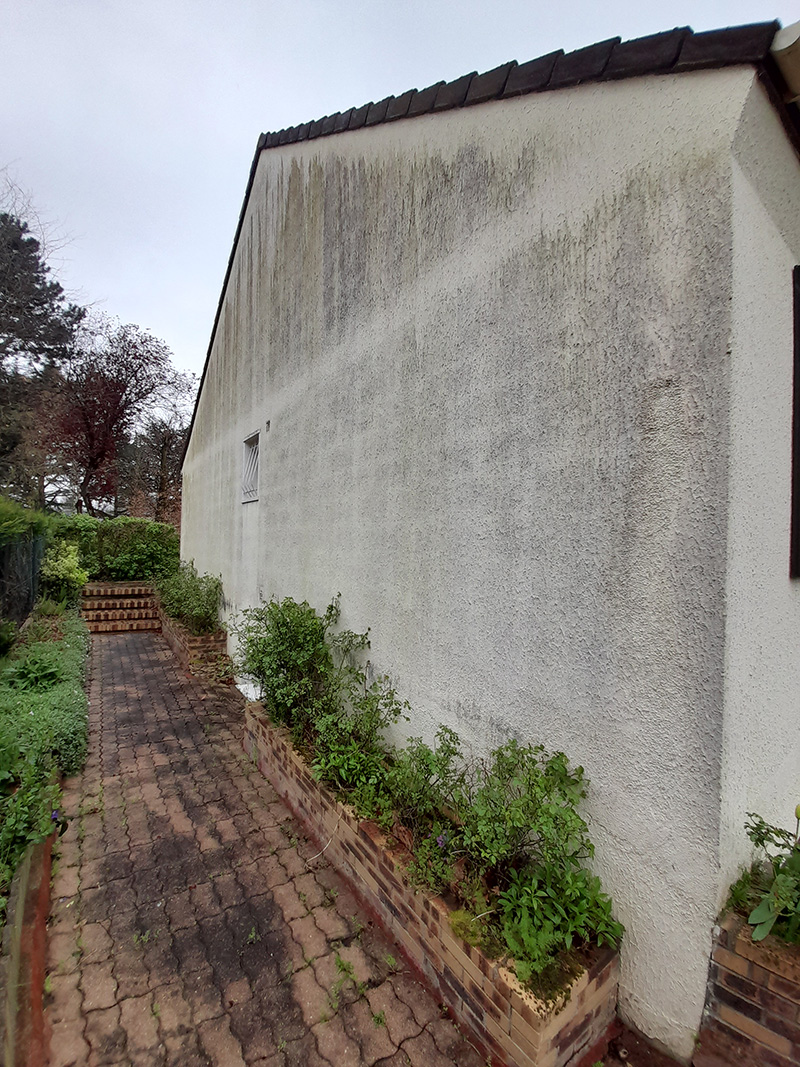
(122, 549)
(43, 730)
(502, 835)
(192, 599)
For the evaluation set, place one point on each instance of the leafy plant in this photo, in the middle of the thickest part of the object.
(62, 576)
(42, 732)
(776, 887)
(424, 781)
(191, 598)
(122, 549)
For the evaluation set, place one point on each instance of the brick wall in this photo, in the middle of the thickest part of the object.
(509, 1024)
(752, 1013)
(188, 647)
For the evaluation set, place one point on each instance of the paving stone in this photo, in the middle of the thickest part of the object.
(197, 901)
(140, 1024)
(64, 1000)
(67, 1046)
(400, 1021)
(105, 1036)
(98, 986)
(335, 1045)
(219, 1044)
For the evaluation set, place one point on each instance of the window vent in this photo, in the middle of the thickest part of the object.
(250, 469)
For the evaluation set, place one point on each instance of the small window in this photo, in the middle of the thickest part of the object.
(250, 469)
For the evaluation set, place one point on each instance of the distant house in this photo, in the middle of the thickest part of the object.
(508, 361)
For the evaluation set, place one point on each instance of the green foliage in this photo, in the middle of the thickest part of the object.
(122, 549)
(551, 908)
(283, 646)
(521, 804)
(503, 833)
(18, 523)
(61, 575)
(770, 891)
(8, 633)
(424, 781)
(191, 598)
(43, 731)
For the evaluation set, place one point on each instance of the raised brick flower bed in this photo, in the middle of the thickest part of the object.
(189, 647)
(508, 1024)
(752, 1013)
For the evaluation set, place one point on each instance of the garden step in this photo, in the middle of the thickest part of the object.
(123, 625)
(120, 607)
(96, 603)
(114, 615)
(118, 589)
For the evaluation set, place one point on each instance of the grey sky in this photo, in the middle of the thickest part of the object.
(132, 125)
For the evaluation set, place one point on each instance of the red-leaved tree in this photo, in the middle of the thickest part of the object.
(115, 378)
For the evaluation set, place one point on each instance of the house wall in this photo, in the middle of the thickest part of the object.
(492, 346)
(761, 751)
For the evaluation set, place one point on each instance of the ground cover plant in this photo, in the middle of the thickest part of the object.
(122, 549)
(191, 598)
(502, 837)
(767, 894)
(43, 729)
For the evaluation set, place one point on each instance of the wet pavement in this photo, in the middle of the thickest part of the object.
(192, 922)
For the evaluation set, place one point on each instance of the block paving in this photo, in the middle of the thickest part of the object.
(192, 923)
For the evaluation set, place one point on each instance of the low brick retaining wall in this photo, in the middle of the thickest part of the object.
(22, 962)
(752, 1013)
(509, 1024)
(188, 647)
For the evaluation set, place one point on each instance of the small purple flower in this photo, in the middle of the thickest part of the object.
(441, 840)
(55, 816)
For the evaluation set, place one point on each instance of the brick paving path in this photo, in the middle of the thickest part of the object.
(191, 923)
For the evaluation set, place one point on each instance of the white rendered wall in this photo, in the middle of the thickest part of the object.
(492, 346)
(761, 753)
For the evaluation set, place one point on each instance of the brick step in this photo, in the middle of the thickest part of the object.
(96, 603)
(119, 626)
(118, 589)
(130, 615)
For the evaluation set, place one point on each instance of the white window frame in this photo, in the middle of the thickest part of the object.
(250, 466)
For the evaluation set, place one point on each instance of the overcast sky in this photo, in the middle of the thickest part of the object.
(131, 124)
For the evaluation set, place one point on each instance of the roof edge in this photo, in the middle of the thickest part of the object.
(673, 51)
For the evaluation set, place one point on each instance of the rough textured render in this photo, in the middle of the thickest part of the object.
(522, 378)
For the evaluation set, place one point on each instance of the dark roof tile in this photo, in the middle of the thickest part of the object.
(398, 106)
(273, 139)
(490, 85)
(585, 64)
(422, 100)
(377, 112)
(302, 131)
(342, 120)
(454, 93)
(358, 116)
(645, 55)
(531, 76)
(328, 124)
(315, 129)
(740, 44)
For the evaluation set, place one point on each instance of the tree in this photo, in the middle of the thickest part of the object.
(114, 379)
(37, 323)
(151, 483)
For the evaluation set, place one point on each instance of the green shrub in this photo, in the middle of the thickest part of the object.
(43, 731)
(503, 833)
(192, 599)
(61, 575)
(122, 549)
(18, 523)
